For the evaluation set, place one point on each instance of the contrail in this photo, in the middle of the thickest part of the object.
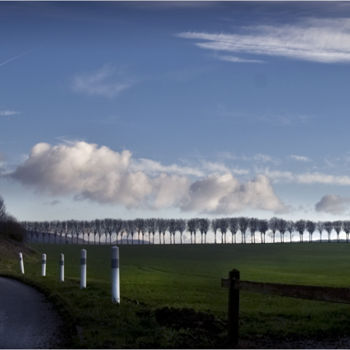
(13, 58)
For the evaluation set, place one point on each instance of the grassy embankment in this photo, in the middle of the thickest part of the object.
(154, 277)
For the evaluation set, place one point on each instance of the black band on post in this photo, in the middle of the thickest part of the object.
(115, 263)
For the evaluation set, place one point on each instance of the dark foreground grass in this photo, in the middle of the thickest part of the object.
(156, 278)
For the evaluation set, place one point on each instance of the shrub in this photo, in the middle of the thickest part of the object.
(11, 229)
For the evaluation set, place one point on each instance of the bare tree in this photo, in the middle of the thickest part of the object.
(223, 224)
(192, 228)
(338, 227)
(117, 228)
(253, 226)
(234, 227)
(203, 225)
(243, 225)
(290, 229)
(282, 227)
(346, 228)
(274, 226)
(151, 225)
(262, 227)
(300, 226)
(3, 214)
(320, 228)
(310, 227)
(328, 225)
(181, 227)
(215, 226)
(163, 225)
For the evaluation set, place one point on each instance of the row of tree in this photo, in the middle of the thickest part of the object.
(160, 231)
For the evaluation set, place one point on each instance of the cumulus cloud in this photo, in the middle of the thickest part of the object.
(316, 40)
(106, 82)
(224, 194)
(100, 174)
(332, 204)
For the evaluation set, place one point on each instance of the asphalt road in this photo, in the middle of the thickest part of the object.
(27, 320)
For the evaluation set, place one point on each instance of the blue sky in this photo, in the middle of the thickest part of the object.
(127, 109)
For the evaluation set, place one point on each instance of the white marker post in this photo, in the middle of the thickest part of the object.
(83, 269)
(115, 275)
(43, 265)
(62, 268)
(21, 264)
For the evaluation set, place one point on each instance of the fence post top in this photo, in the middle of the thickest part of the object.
(234, 274)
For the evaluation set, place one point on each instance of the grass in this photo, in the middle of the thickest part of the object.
(154, 278)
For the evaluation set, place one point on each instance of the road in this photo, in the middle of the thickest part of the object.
(27, 320)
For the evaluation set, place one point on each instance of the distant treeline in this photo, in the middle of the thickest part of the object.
(160, 231)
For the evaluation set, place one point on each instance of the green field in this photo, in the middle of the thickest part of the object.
(188, 276)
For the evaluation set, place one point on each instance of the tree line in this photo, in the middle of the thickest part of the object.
(172, 231)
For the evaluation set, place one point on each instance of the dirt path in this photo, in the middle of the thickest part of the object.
(27, 320)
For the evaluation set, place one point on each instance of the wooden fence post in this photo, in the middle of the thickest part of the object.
(233, 307)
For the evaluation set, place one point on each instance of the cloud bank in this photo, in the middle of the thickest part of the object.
(316, 40)
(100, 174)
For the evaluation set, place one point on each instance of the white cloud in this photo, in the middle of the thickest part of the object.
(235, 59)
(152, 167)
(308, 178)
(8, 113)
(106, 82)
(224, 194)
(316, 40)
(332, 204)
(100, 174)
(299, 158)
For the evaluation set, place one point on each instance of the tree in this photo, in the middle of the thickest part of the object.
(172, 230)
(3, 214)
(253, 226)
(234, 227)
(117, 228)
(346, 228)
(274, 226)
(215, 226)
(290, 228)
(151, 226)
(282, 227)
(300, 226)
(243, 225)
(223, 224)
(163, 225)
(320, 228)
(310, 227)
(140, 226)
(203, 225)
(262, 227)
(192, 228)
(328, 225)
(181, 227)
(338, 227)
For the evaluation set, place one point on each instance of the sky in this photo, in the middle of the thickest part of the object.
(175, 109)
